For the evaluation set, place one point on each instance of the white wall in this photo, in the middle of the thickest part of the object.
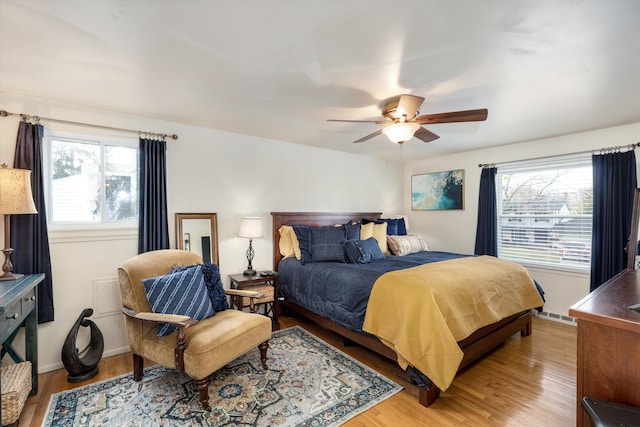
(455, 231)
(208, 171)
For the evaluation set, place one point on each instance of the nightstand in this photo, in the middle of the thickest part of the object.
(267, 285)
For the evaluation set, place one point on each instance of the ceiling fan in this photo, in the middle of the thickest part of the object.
(402, 121)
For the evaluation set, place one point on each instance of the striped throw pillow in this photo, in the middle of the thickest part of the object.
(181, 292)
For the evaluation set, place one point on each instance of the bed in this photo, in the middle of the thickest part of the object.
(355, 322)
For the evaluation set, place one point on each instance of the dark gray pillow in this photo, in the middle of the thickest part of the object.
(303, 233)
(352, 230)
(352, 252)
(363, 251)
(327, 244)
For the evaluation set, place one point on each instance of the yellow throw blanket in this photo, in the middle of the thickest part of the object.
(422, 312)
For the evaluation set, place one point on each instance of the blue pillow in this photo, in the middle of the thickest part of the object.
(215, 289)
(370, 249)
(303, 233)
(352, 252)
(352, 230)
(402, 228)
(363, 251)
(181, 292)
(211, 274)
(326, 244)
(395, 227)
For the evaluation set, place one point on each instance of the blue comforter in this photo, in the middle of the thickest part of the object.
(338, 291)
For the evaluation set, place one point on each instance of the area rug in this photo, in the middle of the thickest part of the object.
(307, 383)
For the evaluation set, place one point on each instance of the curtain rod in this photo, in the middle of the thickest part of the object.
(4, 113)
(630, 146)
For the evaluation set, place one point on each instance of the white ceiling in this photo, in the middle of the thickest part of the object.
(279, 69)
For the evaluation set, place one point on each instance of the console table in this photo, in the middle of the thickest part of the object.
(18, 307)
(609, 343)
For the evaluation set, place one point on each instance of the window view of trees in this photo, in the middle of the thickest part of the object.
(545, 215)
(121, 188)
(91, 181)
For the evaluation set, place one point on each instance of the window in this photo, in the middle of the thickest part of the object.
(545, 213)
(91, 181)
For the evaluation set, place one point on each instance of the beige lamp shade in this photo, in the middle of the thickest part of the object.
(15, 192)
(250, 227)
(15, 198)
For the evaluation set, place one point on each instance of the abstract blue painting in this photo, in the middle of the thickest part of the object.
(436, 191)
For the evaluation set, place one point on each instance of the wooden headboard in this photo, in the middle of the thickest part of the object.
(314, 219)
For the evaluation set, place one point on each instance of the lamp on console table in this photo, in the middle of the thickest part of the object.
(15, 198)
(250, 228)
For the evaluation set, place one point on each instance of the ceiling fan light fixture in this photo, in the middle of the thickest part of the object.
(400, 132)
(403, 121)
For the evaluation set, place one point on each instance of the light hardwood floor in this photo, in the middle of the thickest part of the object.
(524, 382)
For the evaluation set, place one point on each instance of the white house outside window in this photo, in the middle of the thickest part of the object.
(91, 181)
(545, 213)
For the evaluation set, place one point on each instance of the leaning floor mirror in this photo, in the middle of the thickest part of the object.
(632, 245)
(198, 233)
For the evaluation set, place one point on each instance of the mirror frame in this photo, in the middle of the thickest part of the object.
(213, 218)
(632, 245)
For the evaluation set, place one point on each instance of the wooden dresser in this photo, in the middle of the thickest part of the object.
(609, 343)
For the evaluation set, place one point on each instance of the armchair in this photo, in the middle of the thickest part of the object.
(197, 348)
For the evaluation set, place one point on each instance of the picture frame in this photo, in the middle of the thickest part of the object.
(438, 191)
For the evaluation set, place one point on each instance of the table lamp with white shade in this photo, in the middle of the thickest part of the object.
(250, 228)
(15, 198)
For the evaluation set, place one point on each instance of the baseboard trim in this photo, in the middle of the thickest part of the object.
(59, 365)
(557, 317)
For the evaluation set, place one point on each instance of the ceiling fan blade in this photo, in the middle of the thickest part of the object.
(408, 105)
(425, 135)
(368, 137)
(454, 116)
(379, 122)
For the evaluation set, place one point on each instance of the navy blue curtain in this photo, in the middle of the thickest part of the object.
(614, 184)
(29, 236)
(487, 228)
(153, 230)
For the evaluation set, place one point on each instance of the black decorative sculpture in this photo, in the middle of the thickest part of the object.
(85, 367)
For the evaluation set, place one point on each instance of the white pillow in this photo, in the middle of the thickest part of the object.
(409, 244)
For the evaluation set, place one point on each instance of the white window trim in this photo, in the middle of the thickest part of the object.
(93, 234)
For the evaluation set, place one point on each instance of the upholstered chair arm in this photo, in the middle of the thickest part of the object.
(252, 295)
(172, 319)
(178, 320)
